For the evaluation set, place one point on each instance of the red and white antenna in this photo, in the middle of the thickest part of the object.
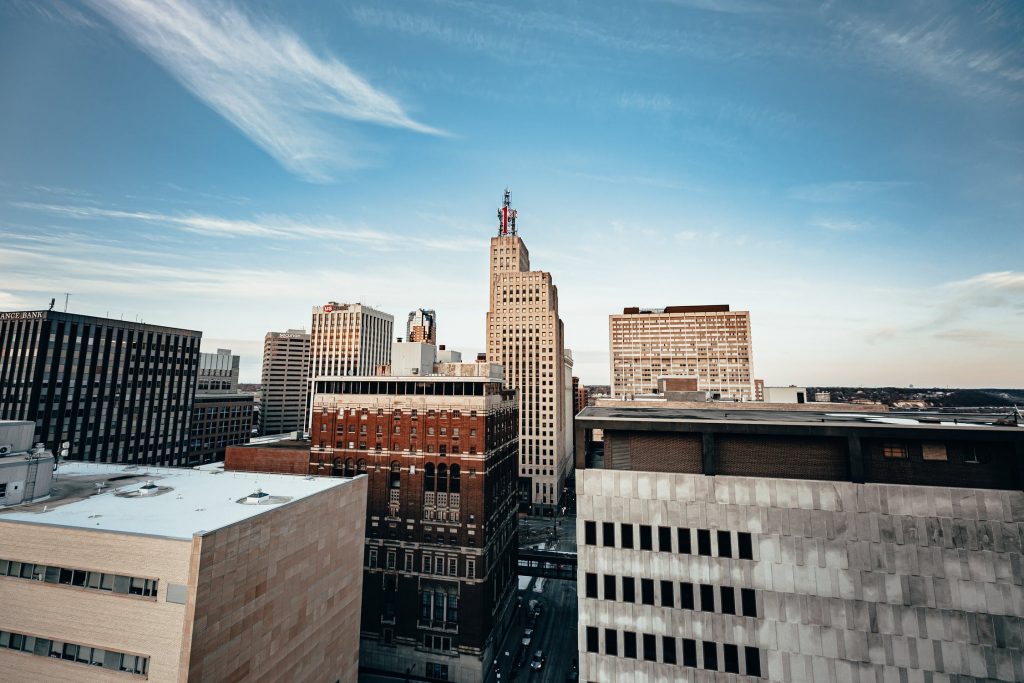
(507, 216)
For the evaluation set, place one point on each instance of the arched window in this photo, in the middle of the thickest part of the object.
(428, 477)
(350, 468)
(442, 478)
(361, 466)
(337, 469)
(396, 475)
(456, 483)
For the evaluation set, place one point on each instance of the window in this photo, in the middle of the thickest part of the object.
(728, 600)
(707, 598)
(453, 566)
(392, 559)
(591, 585)
(896, 451)
(645, 537)
(590, 533)
(753, 658)
(647, 591)
(664, 539)
(626, 535)
(668, 649)
(932, 450)
(686, 595)
(470, 569)
(592, 639)
(684, 541)
(724, 544)
(372, 558)
(426, 564)
(628, 589)
(609, 587)
(608, 534)
(611, 642)
(704, 542)
(749, 602)
(746, 545)
(667, 598)
(650, 648)
(629, 644)
(710, 656)
(689, 652)
(731, 659)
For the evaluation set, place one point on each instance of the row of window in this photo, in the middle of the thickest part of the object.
(115, 583)
(681, 541)
(670, 653)
(438, 565)
(700, 597)
(72, 652)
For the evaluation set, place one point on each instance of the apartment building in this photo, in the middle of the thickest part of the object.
(526, 336)
(115, 391)
(438, 448)
(284, 385)
(168, 575)
(798, 546)
(709, 343)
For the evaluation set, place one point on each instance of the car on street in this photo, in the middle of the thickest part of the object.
(527, 637)
(537, 663)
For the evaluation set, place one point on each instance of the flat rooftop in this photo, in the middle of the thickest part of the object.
(183, 503)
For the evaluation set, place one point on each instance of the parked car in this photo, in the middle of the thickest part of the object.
(527, 636)
(537, 663)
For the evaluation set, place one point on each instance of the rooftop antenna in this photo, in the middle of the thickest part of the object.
(67, 295)
(507, 216)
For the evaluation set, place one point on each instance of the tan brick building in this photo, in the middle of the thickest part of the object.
(129, 573)
(709, 343)
(525, 335)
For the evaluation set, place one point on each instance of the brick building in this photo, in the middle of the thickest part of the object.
(800, 546)
(439, 451)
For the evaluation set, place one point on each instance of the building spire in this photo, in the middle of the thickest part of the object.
(507, 216)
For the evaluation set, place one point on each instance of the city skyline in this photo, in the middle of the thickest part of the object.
(849, 176)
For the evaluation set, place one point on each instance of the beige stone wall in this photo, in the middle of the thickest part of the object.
(278, 596)
(130, 624)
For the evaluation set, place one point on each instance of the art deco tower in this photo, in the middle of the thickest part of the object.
(525, 335)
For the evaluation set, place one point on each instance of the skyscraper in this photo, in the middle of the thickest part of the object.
(525, 335)
(349, 339)
(116, 391)
(285, 381)
(708, 343)
(422, 326)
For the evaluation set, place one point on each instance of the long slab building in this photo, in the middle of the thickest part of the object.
(800, 546)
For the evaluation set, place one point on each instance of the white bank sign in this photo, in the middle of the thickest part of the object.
(22, 315)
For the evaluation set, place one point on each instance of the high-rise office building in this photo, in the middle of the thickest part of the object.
(437, 442)
(116, 391)
(221, 414)
(798, 546)
(422, 326)
(349, 339)
(218, 371)
(709, 343)
(284, 384)
(525, 335)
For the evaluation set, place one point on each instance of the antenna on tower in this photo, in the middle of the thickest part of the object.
(507, 216)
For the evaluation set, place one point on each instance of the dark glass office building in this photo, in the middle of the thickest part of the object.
(116, 391)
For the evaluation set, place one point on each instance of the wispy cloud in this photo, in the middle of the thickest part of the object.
(845, 190)
(613, 179)
(273, 227)
(262, 78)
(55, 10)
(838, 224)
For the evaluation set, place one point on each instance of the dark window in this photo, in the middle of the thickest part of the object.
(628, 589)
(684, 541)
(650, 648)
(591, 585)
(592, 639)
(608, 534)
(710, 656)
(746, 546)
(704, 542)
(609, 587)
(589, 529)
(611, 641)
(728, 600)
(686, 595)
(731, 659)
(707, 598)
(689, 652)
(626, 534)
(668, 649)
(664, 539)
(667, 598)
(749, 602)
(724, 544)
(647, 591)
(629, 644)
(645, 537)
(753, 658)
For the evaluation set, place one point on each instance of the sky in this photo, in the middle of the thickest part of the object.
(850, 173)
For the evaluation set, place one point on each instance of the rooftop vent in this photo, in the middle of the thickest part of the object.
(257, 497)
(148, 489)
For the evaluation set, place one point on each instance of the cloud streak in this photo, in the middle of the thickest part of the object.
(845, 190)
(263, 79)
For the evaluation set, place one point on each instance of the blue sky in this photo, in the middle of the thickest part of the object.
(851, 173)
